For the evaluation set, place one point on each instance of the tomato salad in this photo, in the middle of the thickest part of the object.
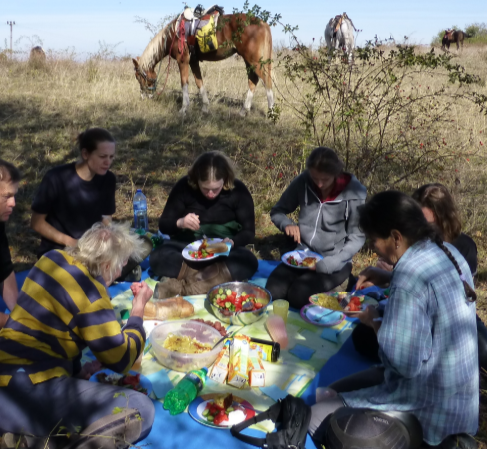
(232, 301)
(218, 415)
(355, 305)
(200, 254)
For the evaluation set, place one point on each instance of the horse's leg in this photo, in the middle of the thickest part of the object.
(195, 67)
(253, 80)
(183, 63)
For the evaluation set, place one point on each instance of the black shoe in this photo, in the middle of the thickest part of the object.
(133, 276)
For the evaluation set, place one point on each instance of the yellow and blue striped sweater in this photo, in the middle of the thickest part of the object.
(61, 309)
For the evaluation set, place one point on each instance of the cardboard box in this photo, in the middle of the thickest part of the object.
(219, 370)
(256, 369)
(239, 360)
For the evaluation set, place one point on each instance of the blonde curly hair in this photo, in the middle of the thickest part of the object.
(109, 244)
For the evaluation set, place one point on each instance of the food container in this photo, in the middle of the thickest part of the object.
(185, 362)
(240, 318)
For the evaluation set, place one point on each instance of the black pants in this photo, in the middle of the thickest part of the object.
(297, 285)
(168, 259)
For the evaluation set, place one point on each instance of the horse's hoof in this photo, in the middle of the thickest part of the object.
(205, 109)
(243, 112)
(182, 111)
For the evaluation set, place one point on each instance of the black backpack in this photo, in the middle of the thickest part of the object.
(350, 428)
(292, 417)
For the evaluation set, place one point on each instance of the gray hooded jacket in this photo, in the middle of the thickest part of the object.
(331, 228)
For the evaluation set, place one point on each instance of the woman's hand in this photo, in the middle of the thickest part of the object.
(142, 294)
(369, 316)
(227, 240)
(373, 276)
(191, 221)
(293, 231)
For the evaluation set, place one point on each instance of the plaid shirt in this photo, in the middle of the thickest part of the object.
(428, 345)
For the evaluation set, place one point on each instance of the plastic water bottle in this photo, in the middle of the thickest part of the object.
(185, 391)
(140, 212)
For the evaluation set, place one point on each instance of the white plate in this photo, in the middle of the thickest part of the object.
(195, 246)
(297, 254)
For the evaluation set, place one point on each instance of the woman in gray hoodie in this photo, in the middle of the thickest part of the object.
(327, 199)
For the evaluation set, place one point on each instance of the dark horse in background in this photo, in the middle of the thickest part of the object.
(252, 41)
(456, 36)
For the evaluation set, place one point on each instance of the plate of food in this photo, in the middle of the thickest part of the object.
(132, 380)
(205, 249)
(301, 259)
(321, 316)
(220, 411)
(350, 302)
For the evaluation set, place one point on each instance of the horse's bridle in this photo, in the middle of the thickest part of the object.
(147, 79)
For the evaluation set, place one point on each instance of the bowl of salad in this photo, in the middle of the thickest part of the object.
(239, 303)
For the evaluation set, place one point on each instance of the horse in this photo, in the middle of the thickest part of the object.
(339, 34)
(456, 36)
(252, 42)
(37, 54)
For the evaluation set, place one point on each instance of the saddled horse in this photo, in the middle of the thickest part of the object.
(456, 36)
(252, 42)
(339, 34)
(37, 54)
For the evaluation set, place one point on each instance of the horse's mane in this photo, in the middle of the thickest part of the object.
(156, 49)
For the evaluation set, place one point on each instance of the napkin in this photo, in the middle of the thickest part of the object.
(302, 352)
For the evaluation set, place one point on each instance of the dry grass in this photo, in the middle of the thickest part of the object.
(44, 106)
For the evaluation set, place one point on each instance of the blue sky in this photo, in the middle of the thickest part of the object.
(81, 25)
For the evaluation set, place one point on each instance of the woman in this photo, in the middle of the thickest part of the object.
(63, 307)
(72, 197)
(328, 224)
(427, 337)
(209, 202)
(440, 210)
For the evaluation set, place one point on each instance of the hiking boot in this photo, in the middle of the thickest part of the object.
(110, 432)
(193, 282)
(170, 287)
(214, 274)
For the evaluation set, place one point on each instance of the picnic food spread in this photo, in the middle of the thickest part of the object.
(128, 381)
(185, 344)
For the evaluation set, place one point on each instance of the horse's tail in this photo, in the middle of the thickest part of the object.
(467, 35)
(267, 56)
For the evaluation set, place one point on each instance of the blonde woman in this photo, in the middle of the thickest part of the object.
(63, 307)
(208, 201)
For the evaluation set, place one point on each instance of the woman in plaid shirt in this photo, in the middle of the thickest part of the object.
(427, 337)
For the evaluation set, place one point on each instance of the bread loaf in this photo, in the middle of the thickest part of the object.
(168, 308)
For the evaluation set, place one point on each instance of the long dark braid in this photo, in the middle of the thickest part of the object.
(469, 291)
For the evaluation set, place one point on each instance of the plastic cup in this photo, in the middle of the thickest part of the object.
(281, 308)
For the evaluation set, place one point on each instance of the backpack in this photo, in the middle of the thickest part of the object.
(292, 417)
(348, 428)
(206, 36)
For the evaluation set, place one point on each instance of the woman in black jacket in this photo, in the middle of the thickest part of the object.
(209, 202)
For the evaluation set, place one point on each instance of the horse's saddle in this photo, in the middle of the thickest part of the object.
(336, 22)
(193, 20)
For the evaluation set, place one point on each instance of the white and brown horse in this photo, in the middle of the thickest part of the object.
(252, 41)
(339, 35)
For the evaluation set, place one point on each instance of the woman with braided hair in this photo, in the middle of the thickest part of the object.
(427, 336)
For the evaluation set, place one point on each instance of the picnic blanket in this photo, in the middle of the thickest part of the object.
(309, 362)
